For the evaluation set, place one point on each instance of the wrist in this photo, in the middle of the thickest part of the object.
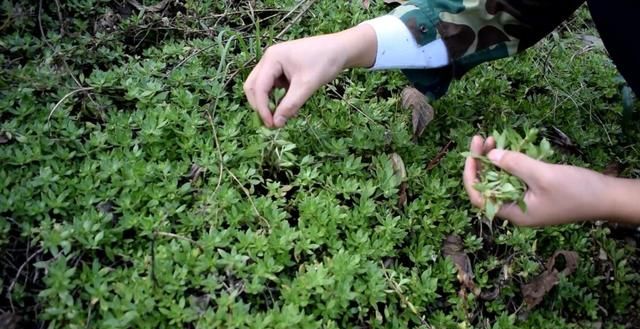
(621, 199)
(358, 46)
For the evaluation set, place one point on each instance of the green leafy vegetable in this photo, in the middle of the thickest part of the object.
(497, 186)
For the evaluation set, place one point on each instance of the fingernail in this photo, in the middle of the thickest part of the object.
(495, 155)
(279, 121)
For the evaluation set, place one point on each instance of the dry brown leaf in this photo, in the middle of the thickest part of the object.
(422, 112)
(402, 195)
(400, 171)
(534, 291)
(398, 166)
(452, 248)
(365, 4)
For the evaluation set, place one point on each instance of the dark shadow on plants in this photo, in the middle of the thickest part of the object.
(21, 279)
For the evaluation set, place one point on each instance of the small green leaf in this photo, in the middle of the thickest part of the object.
(501, 140)
(522, 205)
(491, 209)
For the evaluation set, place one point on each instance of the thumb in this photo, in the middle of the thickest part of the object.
(291, 103)
(516, 163)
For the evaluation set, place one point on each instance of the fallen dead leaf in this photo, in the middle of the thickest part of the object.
(422, 112)
(365, 4)
(400, 171)
(534, 291)
(402, 195)
(398, 166)
(452, 248)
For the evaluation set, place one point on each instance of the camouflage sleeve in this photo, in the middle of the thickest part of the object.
(477, 31)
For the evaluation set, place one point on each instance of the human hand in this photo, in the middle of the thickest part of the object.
(302, 66)
(556, 194)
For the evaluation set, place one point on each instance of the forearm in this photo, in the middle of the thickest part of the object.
(623, 199)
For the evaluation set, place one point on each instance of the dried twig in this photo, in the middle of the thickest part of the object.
(180, 237)
(215, 138)
(53, 50)
(398, 290)
(291, 12)
(29, 259)
(308, 4)
(188, 58)
(248, 194)
(344, 99)
(60, 17)
(443, 151)
(71, 93)
(242, 12)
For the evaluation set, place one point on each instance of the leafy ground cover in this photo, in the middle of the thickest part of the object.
(138, 189)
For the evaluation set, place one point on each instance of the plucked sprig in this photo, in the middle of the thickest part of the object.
(497, 186)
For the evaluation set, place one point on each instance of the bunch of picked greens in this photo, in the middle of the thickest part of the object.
(497, 186)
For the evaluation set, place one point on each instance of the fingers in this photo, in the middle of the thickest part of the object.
(515, 215)
(295, 97)
(470, 173)
(517, 164)
(249, 86)
(266, 76)
(489, 144)
(264, 84)
(261, 81)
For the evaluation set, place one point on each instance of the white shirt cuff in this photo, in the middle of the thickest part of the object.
(397, 49)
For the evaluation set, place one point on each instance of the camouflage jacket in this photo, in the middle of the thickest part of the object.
(476, 31)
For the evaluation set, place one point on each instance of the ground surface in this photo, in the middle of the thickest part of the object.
(138, 189)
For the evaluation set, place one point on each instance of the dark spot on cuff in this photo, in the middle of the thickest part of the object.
(457, 37)
(415, 30)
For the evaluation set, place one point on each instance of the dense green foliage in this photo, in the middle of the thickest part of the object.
(139, 190)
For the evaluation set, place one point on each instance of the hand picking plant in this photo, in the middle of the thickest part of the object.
(497, 186)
